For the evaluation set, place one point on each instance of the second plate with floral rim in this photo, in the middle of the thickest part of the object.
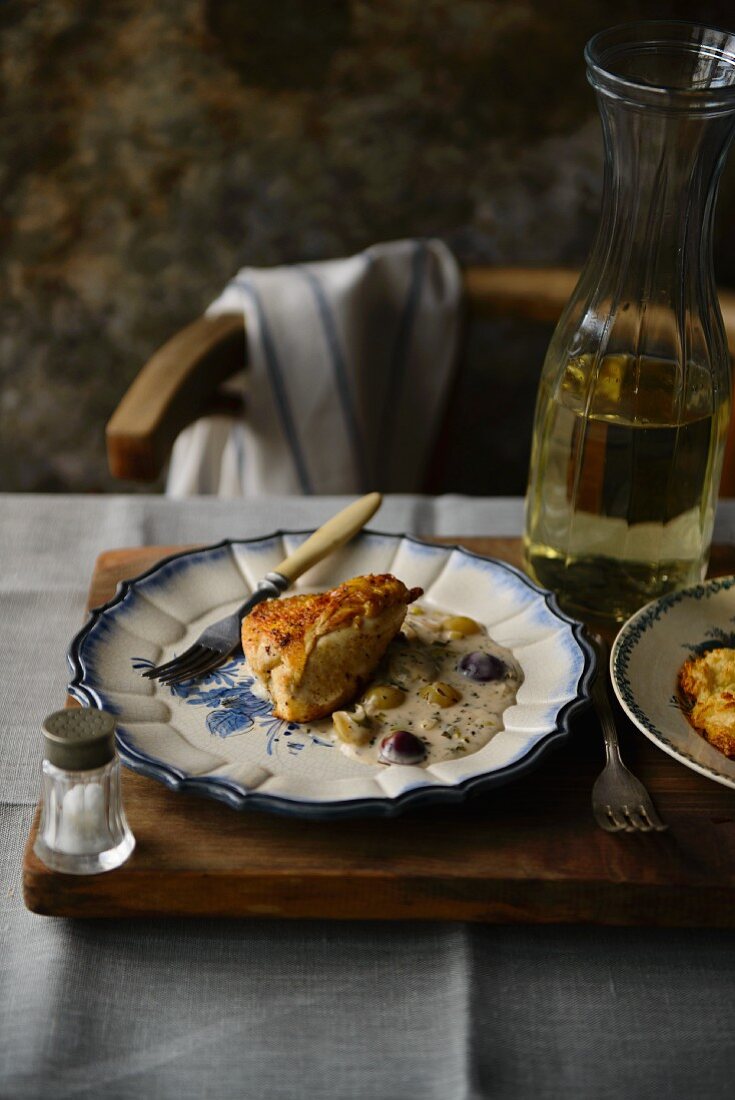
(645, 661)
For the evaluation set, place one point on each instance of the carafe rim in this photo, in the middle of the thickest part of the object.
(612, 51)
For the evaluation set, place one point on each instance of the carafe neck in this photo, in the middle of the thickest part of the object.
(662, 170)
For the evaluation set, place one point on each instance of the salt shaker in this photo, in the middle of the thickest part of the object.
(83, 828)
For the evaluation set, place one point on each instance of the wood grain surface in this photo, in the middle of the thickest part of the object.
(529, 852)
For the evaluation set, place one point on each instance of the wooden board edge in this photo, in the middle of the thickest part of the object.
(130, 894)
(110, 558)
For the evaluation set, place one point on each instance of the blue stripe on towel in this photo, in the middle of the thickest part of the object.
(344, 389)
(399, 358)
(278, 386)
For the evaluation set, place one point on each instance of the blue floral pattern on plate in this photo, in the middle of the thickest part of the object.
(233, 707)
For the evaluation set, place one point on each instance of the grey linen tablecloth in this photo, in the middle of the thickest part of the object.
(261, 1009)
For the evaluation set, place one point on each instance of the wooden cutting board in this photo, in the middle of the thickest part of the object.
(526, 853)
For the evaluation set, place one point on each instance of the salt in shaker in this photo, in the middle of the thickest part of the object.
(83, 829)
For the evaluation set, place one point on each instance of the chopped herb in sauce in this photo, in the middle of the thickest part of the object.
(457, 716)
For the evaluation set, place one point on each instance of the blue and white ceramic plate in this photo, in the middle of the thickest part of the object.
(646, 658)
(215, 737)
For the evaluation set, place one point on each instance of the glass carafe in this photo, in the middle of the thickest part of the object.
(634, 399)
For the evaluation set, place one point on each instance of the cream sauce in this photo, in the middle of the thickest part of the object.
(426, 652)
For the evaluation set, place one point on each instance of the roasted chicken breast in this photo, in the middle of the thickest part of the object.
(314, 653)
(708, 684)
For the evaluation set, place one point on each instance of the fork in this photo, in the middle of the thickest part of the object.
(620, 802)
(220, 639)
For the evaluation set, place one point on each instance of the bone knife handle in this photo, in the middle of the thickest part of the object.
(330, 536)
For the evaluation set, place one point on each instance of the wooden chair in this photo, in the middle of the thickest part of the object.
(183, 380)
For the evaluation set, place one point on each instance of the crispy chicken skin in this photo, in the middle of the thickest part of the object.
(314, 653)
(708, 683)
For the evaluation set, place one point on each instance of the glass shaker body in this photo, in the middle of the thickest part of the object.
(83, 829)
(634, 399)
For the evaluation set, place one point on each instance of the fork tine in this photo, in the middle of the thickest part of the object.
(630, 824)
(621, 816)
(215, 661)
(158, 670)
(209, 660)
(192, 661)
(193, 674)
(648, 813)
(613, 823)
(604, 821)
(639, 821)
(178, 675)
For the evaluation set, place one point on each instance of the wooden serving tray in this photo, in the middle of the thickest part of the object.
(529, 852)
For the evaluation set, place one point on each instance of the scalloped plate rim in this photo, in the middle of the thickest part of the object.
(239, 798)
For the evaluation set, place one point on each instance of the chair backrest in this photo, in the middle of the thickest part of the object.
(183, 380)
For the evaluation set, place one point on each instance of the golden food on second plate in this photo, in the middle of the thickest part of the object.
(313, 653)
(708, 684)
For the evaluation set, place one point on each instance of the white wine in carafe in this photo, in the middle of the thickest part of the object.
(621, 501)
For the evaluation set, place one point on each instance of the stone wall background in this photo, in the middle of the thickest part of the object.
(149, 148)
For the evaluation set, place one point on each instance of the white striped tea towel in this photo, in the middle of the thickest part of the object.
(349, 367)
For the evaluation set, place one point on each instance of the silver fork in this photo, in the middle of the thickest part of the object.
(220, 639)
(620, 802)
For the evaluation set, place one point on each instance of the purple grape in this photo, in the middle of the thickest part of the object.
(402, 747)
(482, 666)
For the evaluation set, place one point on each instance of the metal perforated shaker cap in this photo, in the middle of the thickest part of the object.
(79, 739)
